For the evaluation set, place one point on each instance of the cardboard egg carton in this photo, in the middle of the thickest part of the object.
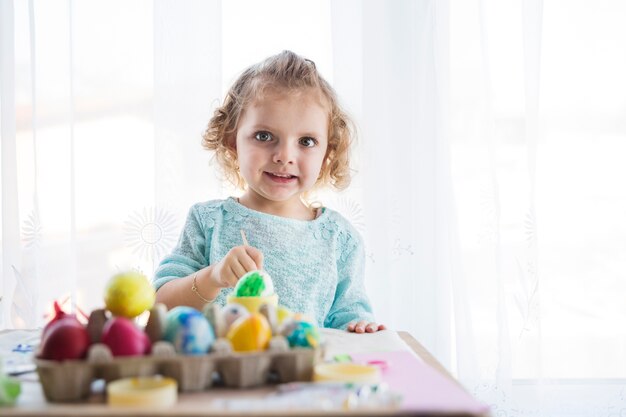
(71, 380)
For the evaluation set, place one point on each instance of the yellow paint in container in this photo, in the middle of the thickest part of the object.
(142, 392)
(253, 304)
(346, 372)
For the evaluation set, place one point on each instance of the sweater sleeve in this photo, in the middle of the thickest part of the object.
(351, 302)
(188, 256)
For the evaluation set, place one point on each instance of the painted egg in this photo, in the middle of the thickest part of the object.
(230, 313)
(189, 331)
(283, 313)
(254, 284)
(250, 333)
(303, 334)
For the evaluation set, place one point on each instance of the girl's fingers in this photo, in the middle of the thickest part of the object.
(360, 326)
(239, 261)
(238, 267)
(365, 327)
(256, 256)
(231, 276)
(247, 263)
(374, 327)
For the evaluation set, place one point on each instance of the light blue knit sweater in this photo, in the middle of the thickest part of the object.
(316, 266)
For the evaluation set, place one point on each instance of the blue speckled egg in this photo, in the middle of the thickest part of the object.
(304, 334)
(189, 331)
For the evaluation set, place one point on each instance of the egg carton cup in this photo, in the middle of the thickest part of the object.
(70, 380)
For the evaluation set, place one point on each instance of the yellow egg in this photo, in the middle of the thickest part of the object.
(282, 313)
(129, 294)
(250, 333)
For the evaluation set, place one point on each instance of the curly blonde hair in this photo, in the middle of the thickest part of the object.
(291, 72)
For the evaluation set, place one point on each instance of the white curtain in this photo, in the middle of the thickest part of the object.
(491, 135)
(103, 107)
(491, 172)
(489, 187)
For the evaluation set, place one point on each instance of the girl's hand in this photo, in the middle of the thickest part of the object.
(365, 327)
(237, 262)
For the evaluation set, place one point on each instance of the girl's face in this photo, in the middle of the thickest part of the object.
(281, 144)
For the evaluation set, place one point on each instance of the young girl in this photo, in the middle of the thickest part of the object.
(279, 134)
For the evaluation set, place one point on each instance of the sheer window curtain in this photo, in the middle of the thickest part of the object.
(489, 183)
(103, 107)
(489, 167)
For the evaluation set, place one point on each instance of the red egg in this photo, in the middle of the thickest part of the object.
(124, 338)
(65, 338)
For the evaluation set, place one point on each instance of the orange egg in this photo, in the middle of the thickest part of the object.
(250, 333)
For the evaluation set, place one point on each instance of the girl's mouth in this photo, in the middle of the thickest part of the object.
(280, 178)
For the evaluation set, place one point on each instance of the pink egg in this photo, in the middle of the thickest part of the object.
(124, 338)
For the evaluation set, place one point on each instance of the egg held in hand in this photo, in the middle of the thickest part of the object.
(128, 294)
(254, 284)
(124, 338)
(188, 330)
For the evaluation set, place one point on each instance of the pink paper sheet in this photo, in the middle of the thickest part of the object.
(423, 388)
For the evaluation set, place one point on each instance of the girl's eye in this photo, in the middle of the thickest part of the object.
(308, 142)
(263, 136)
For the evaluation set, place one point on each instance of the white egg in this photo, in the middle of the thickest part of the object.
(228, 315)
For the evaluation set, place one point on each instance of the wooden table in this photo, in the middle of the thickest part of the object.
(33, 403)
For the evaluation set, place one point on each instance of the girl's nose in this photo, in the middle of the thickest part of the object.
(283, 154)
